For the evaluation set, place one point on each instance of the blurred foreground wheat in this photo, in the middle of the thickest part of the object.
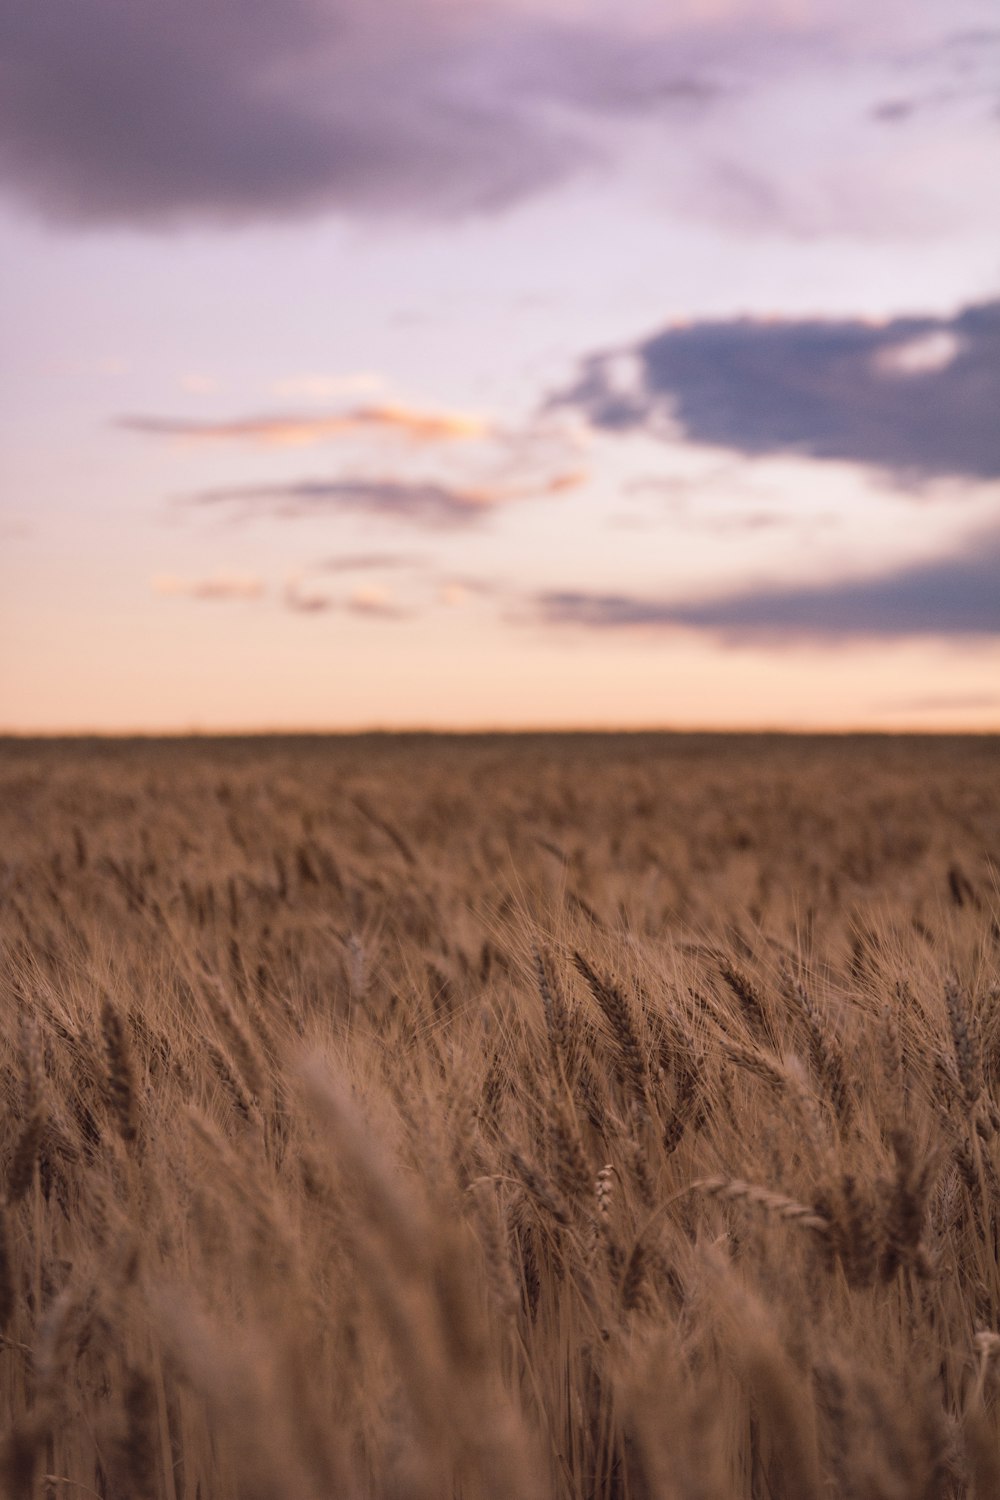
(500, 1119)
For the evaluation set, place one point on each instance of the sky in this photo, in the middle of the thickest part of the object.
(508, 364)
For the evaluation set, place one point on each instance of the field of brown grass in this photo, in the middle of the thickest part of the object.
(584, 1118)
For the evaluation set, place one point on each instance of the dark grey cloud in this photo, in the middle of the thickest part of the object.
(954, 595)
(121, 111)
(422, 503)
(919, 396)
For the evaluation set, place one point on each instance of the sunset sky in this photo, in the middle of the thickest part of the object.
(474, 363)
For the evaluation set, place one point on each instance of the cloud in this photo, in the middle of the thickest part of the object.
(369, 562)
(966, 63)
(295, 431)
(226, 113)
(423, 503)
(221, 586)
(303, 601)
(917, 396)
(956, 595)
(427, 503)
(721, 501)
(557, 484)
(153, 115)
(891, 111)
(368, 600)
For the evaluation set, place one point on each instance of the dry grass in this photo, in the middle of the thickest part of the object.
(500, 1119)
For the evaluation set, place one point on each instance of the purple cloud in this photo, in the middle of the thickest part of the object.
(423, 503)
(918, 396)
(954, 595)
(114, 112)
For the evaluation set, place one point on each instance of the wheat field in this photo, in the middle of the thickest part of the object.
(504, 1118)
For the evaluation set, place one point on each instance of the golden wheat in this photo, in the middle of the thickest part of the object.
(585, 1118)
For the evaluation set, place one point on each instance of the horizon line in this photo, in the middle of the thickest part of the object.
(504, 731)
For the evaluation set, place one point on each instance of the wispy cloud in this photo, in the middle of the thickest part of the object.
(425, 503)
(372, 562)
(954, 595)
(277, 430)
(918, 396)
(969, 57)
(556, 484)
(220, 586)
(369, 600)
(722, 501)
(303, 600)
